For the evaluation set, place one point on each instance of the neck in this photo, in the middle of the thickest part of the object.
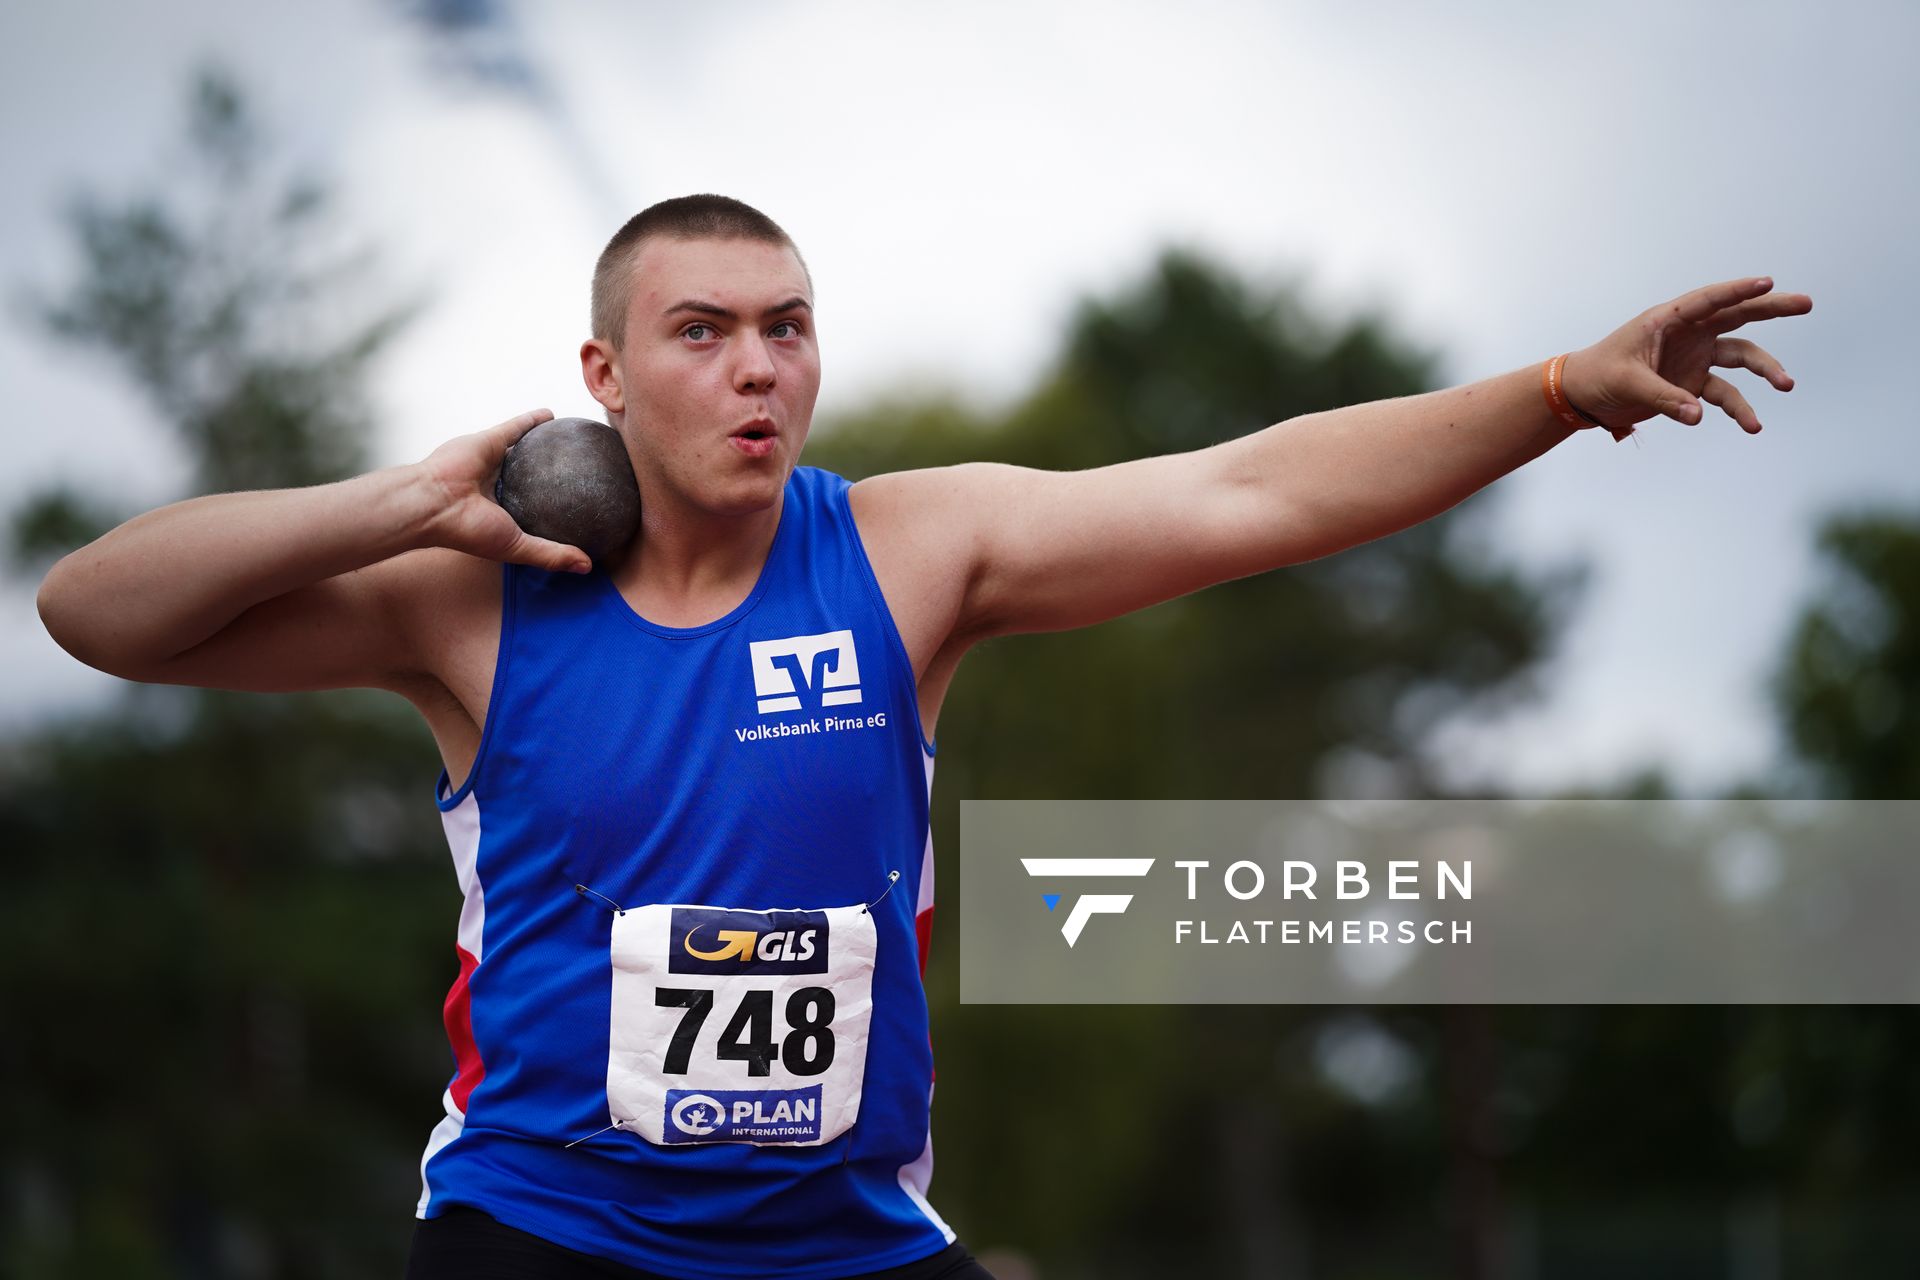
(689, 566)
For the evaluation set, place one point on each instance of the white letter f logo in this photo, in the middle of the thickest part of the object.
(1087, 905)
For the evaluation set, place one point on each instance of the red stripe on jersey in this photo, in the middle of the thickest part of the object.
(923, 933)
(458, 1015)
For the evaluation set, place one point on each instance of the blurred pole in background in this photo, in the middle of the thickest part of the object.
(1753, 1239)
(1473, 1173)
(481, 42)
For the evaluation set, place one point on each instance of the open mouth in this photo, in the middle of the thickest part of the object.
(755, 439)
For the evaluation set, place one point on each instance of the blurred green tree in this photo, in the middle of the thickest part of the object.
(1798, 1113)
(228, 299)
(1847, 689)
(226, 915)
(1172, 1132)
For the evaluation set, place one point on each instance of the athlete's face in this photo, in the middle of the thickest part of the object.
(715, 384)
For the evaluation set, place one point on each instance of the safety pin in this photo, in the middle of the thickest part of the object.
(891, 877)
(617, 910)
(596, 1133)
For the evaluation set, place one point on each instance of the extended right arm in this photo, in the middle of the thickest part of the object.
(284, 589)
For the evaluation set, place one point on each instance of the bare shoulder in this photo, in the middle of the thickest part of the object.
(945, 511)
(940, 533)
(920, 533)
(926, 509)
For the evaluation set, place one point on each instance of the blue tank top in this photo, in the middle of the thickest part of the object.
(728, 1021)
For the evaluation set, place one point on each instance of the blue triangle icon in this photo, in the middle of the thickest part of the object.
(1051, 899)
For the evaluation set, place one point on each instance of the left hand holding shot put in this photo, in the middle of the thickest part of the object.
(1661, 362)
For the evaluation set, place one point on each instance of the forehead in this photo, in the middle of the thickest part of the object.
(741, 275)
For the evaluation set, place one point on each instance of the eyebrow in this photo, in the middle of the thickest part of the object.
(715, 309)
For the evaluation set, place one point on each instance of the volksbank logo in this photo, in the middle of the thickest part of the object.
(824, 664)
(1087, 905)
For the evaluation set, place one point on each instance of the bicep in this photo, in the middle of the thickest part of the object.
(339, 633)
(1069, 549)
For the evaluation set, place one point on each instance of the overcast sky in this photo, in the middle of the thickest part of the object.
(1507, 181)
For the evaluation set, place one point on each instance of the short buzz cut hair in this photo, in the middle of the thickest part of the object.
(698, 217)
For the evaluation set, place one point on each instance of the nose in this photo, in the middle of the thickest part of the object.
(753, 365)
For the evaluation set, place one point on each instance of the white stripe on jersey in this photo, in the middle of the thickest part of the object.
(462, 824)
(918, 1175)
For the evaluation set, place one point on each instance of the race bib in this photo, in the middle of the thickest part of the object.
(739, 1026)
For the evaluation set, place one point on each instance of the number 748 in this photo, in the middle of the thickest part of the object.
(807, 1049)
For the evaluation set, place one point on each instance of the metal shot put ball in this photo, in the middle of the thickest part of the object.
(569, 480)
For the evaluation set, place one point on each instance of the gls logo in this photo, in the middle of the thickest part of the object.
(746, 945)
(717, 940)
(824, 663)
(1087, 904)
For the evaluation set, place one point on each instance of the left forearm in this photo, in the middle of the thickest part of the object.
(1351, 475)
(1044, 550)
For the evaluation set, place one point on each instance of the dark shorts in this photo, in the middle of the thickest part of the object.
(466, 1244)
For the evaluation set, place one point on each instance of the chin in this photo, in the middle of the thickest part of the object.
(746, 494)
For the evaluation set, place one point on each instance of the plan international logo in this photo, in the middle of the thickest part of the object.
(824, 664)
(1087, 905)
(736, 1115)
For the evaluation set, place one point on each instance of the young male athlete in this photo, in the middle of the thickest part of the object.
(711, 1058)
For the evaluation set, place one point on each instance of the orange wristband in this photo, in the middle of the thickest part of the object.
(1566, 410)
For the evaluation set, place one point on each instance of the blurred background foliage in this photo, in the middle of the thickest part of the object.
(228, 918)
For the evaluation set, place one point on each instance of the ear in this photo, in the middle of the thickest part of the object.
(600, 370)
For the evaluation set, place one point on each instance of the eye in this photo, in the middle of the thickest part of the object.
(698, 332)
(792, 327)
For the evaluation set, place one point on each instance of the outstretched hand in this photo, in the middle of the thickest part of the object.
(1662, 361)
